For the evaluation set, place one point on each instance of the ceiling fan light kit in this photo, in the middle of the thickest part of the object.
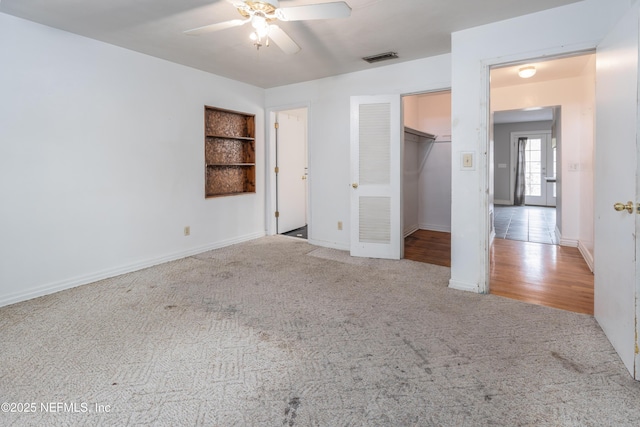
(262, 13)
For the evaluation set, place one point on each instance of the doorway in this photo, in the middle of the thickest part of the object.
(291, 172)
(527, 258)
(538, 163)
(426, 183)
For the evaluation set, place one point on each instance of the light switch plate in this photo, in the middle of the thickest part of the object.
(467, 160)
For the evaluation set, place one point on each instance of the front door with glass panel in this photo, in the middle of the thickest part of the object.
(540, 169)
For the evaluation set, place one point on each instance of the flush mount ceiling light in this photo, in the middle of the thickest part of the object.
(527, 72)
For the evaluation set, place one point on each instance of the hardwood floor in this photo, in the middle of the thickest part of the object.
(432, 247)
(549, 275)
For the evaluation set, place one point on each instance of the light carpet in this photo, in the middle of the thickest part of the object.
(278, 332)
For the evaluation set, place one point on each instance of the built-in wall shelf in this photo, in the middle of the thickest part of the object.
(229, 152)
(419, 133)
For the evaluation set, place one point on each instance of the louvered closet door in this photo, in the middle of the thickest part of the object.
(375, 176)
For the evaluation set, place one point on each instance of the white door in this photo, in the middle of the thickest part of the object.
(616, 284)
(292, 172)
(375, 176)
(538, 170)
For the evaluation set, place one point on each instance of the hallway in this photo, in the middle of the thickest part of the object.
(526, 223)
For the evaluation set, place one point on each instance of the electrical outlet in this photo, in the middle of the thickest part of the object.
(339, 225)
(187, 230)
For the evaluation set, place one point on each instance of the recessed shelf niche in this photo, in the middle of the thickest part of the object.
(229, 152)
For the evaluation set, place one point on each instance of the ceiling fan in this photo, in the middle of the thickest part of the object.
(261, 14)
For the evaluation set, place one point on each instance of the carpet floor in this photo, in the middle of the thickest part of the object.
(278, 332)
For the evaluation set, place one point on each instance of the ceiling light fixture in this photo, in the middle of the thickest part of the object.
(261, 26)
(527, 72)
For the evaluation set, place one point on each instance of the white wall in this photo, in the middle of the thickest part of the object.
(410, 111)
(101, 161)
(329, 102)
(435, 186)
(410, 189)
(434, 116)
(570, 28)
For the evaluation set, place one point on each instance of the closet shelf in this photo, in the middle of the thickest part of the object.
(419, 133)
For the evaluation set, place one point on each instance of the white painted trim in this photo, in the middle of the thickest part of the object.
(588, 257)
(117, 271)
(270, 160)
(327, 244)
(411, 230)
(461, 286)
(492, 237)
(571, 243)
(503, 202)
(435, 227)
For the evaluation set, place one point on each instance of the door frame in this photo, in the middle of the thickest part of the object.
(485, 136)
(270, 163)
(288, 168)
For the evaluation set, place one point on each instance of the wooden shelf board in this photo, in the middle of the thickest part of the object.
(236, 193)
(242, 138)
(230, 164)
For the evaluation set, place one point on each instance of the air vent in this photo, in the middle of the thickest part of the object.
(380, 57)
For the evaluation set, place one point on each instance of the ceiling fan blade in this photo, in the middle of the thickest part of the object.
(216, 27)
(240, 4)
(282, 39)
(338, 9)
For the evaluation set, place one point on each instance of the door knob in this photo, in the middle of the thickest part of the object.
(620, 207)
(354, 185)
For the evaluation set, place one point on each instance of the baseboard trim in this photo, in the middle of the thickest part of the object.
(411, 230)
(327, 244)
(117, 271)
(588, 257)
(434, 227)
(464, 286)
(568, 242)
(503, 202)
(571, 243)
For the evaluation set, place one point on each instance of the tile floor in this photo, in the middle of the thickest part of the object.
(298, 232)
(526, 223)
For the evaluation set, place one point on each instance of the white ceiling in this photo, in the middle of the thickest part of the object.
(554, 69)
(412, 28)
